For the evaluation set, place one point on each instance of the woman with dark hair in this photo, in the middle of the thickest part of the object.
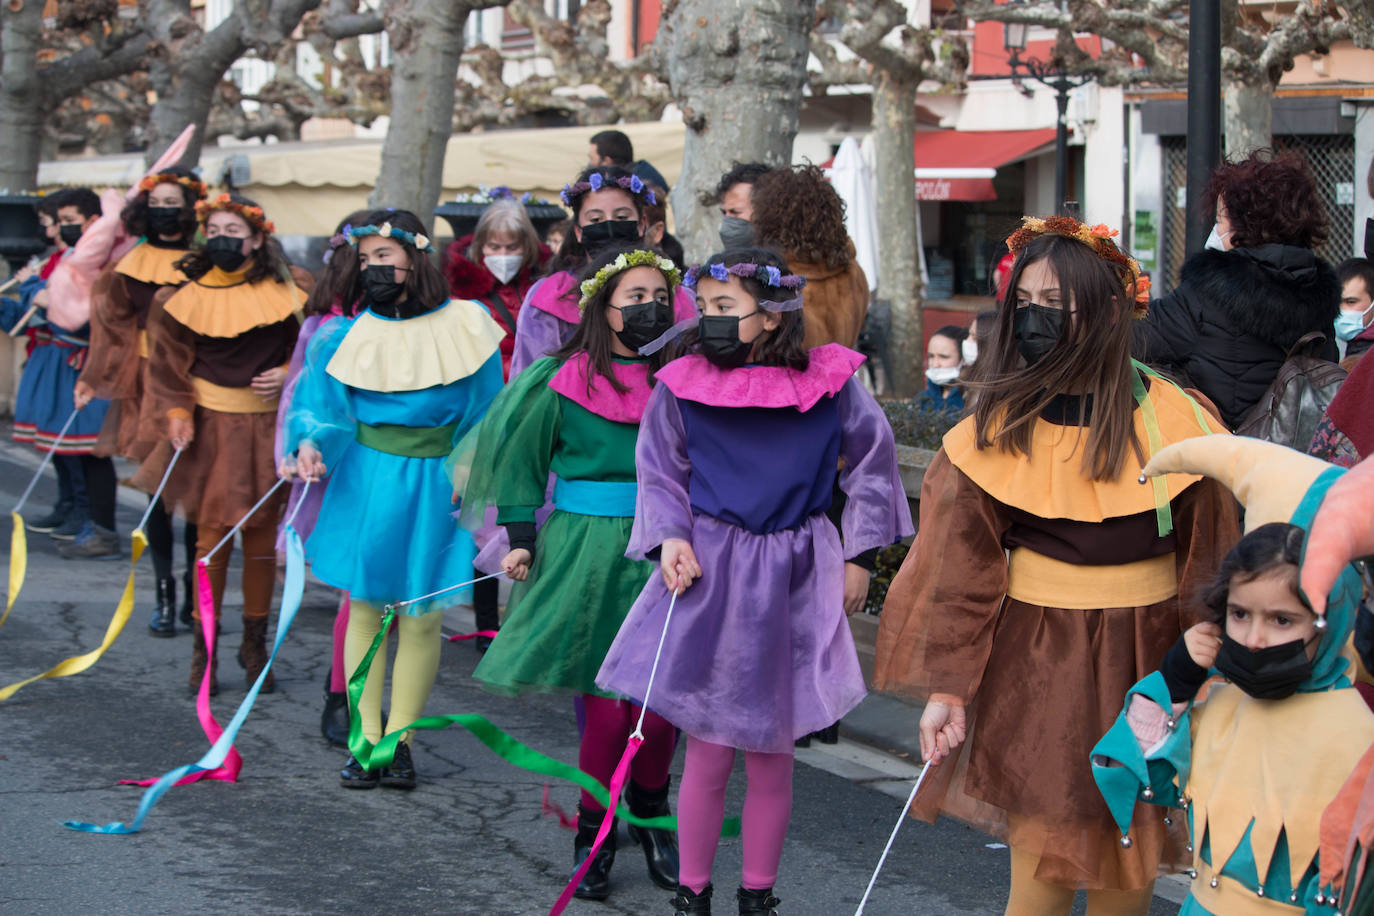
(385, 395)
(944, 363)
(1256, 290)
(220, 345)
(608, 205)
(576, 415)
(163, 216)
(798, 213)
(736, 464)
(1046, 578)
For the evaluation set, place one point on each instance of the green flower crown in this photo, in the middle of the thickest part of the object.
(637, 258)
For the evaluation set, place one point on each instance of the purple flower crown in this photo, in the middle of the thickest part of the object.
(766, 274)
(633, 183)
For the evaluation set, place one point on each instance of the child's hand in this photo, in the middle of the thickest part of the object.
(855, 588)
(1203, 642)
(679, 564)
(942, 727)
(309, 463)
(517, 564)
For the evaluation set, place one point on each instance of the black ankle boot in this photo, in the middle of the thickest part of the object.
(596, 883)
(757, 902)
(164, 611)
(688, 903)
(660, 846)
(334, 719)
(188, 600)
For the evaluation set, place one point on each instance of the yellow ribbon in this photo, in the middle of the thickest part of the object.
(78, 663)
(19, 564)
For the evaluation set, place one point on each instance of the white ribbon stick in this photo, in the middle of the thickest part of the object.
(46, 458)
(205, 560)
(157, 494)
(888, 848)
(401, 604)
(643, 707)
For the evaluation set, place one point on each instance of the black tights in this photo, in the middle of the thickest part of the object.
(159, 531)
(100, 489)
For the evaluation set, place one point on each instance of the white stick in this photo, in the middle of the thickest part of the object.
(23, 319)
(157, 494)
(400, 604)
(644, 707)
(300, 502)
(888, 848)
(46, 458)
(205, 560)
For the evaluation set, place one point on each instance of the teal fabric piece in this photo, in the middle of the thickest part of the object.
(603, 498)
(1329, 668)
(1122, 771)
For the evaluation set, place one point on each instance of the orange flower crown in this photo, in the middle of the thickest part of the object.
(195, 187)
(252, 215)
(1099, 239)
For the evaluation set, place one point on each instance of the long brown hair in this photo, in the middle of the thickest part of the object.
(331, 286)
(266, 262)
(1092, 357)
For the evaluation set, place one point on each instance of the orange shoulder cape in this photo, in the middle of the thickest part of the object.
(152, 264)
(221, 304)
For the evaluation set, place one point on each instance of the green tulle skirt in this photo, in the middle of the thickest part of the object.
(561, 621)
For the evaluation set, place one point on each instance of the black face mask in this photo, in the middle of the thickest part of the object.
(164, 220)
(1265, 674)
(381, 284)
(1036, 330)
(644, 322)
(720, 341)
(226, 252)
(736, 232)
(69, 234)
(597, 237)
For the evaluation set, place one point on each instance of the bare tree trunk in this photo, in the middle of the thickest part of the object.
(21, 97)
(899, 275)
(1247, 118)
(736, 68)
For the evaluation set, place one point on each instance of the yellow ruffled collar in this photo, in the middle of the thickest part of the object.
(222, 304)
(437, 348)
(148, 263)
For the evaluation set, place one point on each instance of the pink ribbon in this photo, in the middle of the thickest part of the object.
(462, 637)
(622, 773)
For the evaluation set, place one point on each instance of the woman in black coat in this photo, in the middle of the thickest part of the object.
(1242, 303)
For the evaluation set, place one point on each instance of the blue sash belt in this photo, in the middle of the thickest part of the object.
(605, 498)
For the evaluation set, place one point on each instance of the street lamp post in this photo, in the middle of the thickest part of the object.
(1054, 76)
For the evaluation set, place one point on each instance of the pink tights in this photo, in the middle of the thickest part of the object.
(609, 724)
(701, 808)
(338, 671)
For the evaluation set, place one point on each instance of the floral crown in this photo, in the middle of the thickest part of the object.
(596, 181)
(193, 185)
(386, 230)
(252, 214)
(766, 274)
(623, 262)
(1098, 238)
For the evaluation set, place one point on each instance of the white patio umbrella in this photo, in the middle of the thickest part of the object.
(853, 181)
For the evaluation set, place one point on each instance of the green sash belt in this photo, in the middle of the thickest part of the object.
(408, 441)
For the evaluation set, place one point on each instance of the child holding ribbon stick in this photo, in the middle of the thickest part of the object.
(384, 396)
(219, 350)
(736, 464)
(608, 205)
(576, 415)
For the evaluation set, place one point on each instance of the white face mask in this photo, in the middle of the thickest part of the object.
(943, 377)
(1215, 240)
(969, 348)
(503, 266)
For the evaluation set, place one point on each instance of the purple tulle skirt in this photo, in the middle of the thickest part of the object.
(758, 652)
(304, 522)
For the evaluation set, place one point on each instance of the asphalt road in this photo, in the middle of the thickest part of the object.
(471, 839)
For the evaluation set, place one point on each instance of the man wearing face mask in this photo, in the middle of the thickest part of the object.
(734, 196)
(1353, 332)
(1253, 293)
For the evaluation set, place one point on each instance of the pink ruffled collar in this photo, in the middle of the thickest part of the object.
(694, 378)
(552, 296)
(617, 406)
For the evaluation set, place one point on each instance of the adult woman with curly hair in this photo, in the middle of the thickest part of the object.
(798, 213)
(1243, 303)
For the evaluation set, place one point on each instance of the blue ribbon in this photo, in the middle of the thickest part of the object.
(292, 593)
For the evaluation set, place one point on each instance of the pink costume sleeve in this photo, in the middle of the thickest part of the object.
(663, 508)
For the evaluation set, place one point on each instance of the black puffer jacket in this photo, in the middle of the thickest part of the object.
(1233, 318)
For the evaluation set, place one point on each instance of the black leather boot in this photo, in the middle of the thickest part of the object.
(757, 902)
(164, 611)
(688, 903)
(334, 719)
(660, 846)
(596, 883)
(400, 772)
(188, 601)
(353, 776)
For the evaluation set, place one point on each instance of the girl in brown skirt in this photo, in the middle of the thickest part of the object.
(1046, 580)
(220, 348)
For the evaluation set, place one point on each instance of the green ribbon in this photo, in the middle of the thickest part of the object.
(375, 756)
(408, 441)
(1164, 514)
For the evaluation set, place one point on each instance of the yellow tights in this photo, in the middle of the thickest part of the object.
(412, 677)
(1030, 897)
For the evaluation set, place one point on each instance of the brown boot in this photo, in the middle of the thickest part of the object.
(199, 658)
(253, 653)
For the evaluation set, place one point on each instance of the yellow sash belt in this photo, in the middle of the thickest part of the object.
(1037, 579)
(231, 400)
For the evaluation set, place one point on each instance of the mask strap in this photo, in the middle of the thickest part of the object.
(672, 334)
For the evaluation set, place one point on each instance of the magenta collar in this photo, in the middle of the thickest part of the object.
(618, 406)
(694, 378)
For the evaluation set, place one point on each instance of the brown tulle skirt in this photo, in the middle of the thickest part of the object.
(1055, 682)
(124, 432)
(225, 470)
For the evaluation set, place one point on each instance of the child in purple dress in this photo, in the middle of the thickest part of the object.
(736, 463)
